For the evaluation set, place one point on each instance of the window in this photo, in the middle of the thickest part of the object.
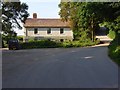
(49, 31)
(35, 30)
(61, 40)
(61, 31)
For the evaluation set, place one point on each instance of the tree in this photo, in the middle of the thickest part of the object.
(85, 17)
(80, 16)
(12, 14)
(68, 13)
(114, 23)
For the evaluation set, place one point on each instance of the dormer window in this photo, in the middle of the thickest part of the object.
(35, 30)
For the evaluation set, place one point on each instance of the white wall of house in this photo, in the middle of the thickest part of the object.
(55, 32)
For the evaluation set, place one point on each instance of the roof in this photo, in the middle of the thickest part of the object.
(33, 22)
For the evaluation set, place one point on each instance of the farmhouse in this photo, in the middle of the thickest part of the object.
(52, 29)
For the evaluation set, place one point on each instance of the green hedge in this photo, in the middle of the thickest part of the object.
(77, 44)
(114, 52)
(111, 34)
(53, 44)
(39, 44)
(20, 38)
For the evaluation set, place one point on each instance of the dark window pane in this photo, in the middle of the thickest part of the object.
(35, 31)
(61, 30)
(61, 40)
(49, 31)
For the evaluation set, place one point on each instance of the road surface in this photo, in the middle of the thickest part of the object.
(59, 68)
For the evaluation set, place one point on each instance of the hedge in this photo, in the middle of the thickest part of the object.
(53, 44)
(114, 51)
(39, 44)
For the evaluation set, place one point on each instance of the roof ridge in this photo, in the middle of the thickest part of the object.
(47, 18)
(46, 22)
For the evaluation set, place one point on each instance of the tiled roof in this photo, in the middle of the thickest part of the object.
(33, 22)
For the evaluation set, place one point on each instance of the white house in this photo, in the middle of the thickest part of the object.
(53, 29)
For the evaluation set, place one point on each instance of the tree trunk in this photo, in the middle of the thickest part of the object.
(92, 35)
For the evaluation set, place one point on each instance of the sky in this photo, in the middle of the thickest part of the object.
(43, 8)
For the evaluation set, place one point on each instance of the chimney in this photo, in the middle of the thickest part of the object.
(35, 15)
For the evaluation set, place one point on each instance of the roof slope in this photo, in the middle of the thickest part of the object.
(32, 22)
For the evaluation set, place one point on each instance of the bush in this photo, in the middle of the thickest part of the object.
(67, 44)
(39, 44)
(80, 43)
(111, 34)
(114, 51)
(52, 44)
(20, 38)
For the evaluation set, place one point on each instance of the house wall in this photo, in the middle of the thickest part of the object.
(55, 33)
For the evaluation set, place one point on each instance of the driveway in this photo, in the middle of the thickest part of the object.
(59, 68)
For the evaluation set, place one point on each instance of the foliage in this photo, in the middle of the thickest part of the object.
(114, 47)
(6, 38)
(20, 38)
(113, 27)
(39, 44)
(114, 51)
(53, 44)
(12, 14)
(83, 43)
(85, 17)
(111, 34)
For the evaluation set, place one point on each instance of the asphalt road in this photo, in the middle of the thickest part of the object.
(59, 68)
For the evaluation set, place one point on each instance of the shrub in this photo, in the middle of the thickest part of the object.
(111, 34)
(39, 44)
(80, 43)
(67, 44)
(114, 51)
(20, 38)
(76, 44)
(52, 44)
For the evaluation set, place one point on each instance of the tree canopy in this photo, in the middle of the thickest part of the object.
(85, 17)
(13, 13)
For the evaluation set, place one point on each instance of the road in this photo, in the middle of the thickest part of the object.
(59, 68)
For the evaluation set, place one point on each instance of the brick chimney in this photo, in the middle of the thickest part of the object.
(35, 15)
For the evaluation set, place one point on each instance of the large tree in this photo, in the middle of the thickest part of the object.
(115, 23)
(85, 17)
(13, 13)
(82, 17)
